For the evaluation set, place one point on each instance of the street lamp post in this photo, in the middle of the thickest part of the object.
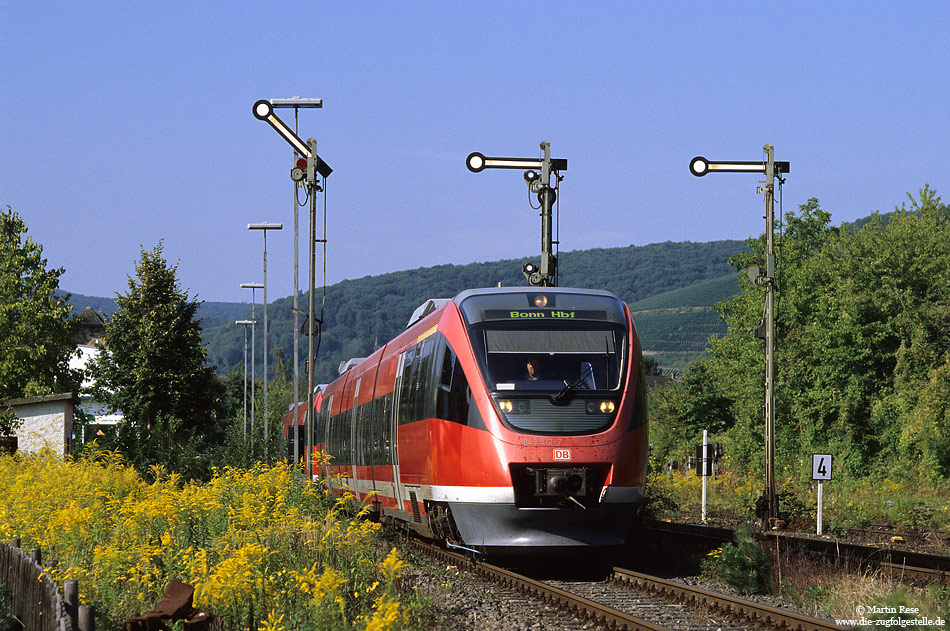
(264, 227)
(253, 287)
(245, 324)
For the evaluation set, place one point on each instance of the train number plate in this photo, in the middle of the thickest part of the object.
(562, 454)
(539, 441)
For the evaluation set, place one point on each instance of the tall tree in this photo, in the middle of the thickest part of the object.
(35, 324)
(152, 367)
(863, 340)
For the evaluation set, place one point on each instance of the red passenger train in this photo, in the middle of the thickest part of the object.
(500, 420)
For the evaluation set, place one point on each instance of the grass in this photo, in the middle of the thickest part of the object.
(848, 503)
(821, 589)
(833, 591)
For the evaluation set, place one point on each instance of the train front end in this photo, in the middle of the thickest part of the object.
(562, 397)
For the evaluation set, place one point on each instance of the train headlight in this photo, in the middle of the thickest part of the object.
(605, 406)
(515, 406)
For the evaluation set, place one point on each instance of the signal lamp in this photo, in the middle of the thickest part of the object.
(302, 163)
(530, 268)
(530, 176)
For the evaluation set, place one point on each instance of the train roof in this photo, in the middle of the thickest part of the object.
(346, 364)
(426, 308)
(520, 290)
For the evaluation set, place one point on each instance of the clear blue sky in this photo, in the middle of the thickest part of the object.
(122, 124)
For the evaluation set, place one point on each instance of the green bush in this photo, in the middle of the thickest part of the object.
(743, 564)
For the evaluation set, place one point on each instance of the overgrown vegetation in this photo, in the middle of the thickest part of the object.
(262, 549)
(863, 373)
(836, 591)
(863, 355)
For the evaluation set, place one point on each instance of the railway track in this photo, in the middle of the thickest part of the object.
(632, 600)
(905, 565)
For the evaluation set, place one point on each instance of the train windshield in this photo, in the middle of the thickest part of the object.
(576, 343)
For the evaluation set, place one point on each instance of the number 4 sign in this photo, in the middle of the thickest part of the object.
(821, 471)
(820, 467)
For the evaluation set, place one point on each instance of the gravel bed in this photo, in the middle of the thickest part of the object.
(467, 602)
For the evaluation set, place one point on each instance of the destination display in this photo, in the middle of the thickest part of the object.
(545, 314)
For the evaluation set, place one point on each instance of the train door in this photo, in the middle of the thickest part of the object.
(322, 432)
(371, 434)
(399, 398)
(354, 435)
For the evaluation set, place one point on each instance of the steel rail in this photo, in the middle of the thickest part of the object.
(564, 600)
(693, 597)
(726, 605)
(916, 565)
(910, 573)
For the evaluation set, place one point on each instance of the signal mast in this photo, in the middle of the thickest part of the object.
(540, 184)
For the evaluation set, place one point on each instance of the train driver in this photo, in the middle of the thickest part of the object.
(532, 370)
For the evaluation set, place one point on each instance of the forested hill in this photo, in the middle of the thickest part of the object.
(361, 314)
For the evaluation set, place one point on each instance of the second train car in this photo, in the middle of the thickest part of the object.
(501, 420)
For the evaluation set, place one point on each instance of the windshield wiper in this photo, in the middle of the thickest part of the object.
(570, 386)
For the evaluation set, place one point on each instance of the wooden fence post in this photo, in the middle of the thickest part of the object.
(71, 596)
(87, 620)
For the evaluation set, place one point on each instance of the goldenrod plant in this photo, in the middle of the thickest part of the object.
(263, 549)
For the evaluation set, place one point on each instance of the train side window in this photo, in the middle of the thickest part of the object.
(459, 396)
(378, 405)
(331, 439)
(421, 379)
(444, 388)
(405, 385)
(387, 429)
(448, 362)
(432, 377)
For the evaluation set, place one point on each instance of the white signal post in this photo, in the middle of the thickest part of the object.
(820, 471)
(476, 162)
(700, 166)
(264, 110)
(703, 467)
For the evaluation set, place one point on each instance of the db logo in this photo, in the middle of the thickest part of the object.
(562, 454)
